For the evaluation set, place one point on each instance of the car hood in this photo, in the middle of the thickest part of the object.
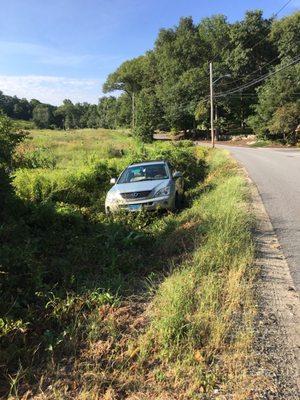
(139, 186)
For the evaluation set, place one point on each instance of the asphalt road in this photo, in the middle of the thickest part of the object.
(276, 172)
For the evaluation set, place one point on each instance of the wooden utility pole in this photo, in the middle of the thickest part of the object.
(212, 132)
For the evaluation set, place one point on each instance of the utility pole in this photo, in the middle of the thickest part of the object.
(211, 105)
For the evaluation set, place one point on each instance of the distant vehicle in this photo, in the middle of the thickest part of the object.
(148, 185)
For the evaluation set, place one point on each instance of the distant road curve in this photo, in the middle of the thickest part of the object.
(276, 172)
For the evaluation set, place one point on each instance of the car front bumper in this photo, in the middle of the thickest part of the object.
(162, 203)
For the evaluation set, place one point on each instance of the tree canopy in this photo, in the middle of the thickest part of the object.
(171, 82)
(168, 86)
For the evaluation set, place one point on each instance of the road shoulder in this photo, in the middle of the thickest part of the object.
(277, 342)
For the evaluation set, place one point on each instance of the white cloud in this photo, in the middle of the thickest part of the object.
(51, 89)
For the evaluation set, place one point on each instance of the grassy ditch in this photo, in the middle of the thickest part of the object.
(200, 330)
(144, 306)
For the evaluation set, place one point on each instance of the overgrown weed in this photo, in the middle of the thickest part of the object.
(147, 305)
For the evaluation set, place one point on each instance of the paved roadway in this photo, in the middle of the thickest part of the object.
(276, 173)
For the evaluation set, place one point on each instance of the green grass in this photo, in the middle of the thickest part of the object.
(147, 304)
(75, 148)
(201, 318)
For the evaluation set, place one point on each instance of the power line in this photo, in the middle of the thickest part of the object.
(283, 7)
(256, 44)
(258, 69)
(249, 84)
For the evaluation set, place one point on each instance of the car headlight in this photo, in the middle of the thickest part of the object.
(165, 191)
(112, 197)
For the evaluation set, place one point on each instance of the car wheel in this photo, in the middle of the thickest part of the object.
(177, 201)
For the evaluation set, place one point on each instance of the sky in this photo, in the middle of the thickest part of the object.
(57, 49)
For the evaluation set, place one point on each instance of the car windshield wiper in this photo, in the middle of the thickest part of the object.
(146, 179)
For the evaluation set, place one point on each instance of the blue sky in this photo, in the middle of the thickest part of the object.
(56, 49)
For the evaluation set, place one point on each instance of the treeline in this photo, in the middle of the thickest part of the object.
(169, 86)
(111, 112)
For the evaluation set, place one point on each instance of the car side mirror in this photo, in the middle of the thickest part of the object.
(177, 175)
(112, 181)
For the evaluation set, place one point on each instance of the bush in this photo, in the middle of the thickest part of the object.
(61, 257)
(8, 142)
(143, 133)
(37, 158)
(20, 124)
(84, 187)
(183, 156)
(285, 121)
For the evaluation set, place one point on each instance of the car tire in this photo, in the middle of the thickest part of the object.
(177, 201)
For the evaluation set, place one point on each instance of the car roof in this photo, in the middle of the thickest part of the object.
(149, 162)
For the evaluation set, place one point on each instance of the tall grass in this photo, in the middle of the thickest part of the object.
(201, 317)
(148, 306)
(62, 258)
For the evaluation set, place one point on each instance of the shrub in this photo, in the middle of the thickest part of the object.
(83, 187)
(285, 121)
(20, 124)
(37, 158)
(144, 133)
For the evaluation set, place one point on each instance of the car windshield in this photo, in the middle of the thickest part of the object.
(146, 172)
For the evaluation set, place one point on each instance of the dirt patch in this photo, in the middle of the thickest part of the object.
(277, 343)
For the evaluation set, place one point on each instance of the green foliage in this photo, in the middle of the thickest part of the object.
(144, 133)
(204, 309)
(20, 124)
(61, 257)
(37, 158)
(279, 90)
(108, 112)
(149, 110)
(285, 35)
(163, 88)
(42, 116)
(285, 121)
(128, 77)
(83, 187)
(15, 108)
(8, 142)
(170, 82)
(201, 114)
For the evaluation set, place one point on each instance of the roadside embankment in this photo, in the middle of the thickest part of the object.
(174, 314)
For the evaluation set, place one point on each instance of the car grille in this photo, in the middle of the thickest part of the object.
(136, 195)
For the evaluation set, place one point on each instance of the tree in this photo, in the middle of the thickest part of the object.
(285, 35)
(127, 78)
(42, 116)
(69, 114)
(180, 67)
(285, 121)
(123, 110)
(150, 110)
(107, 111)
(277, 91)
(92, 116)
(214, 35)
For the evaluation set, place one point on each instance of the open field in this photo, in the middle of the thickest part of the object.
(131, 306)
(74, 148)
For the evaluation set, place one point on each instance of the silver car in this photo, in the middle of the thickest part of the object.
(148, 185)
